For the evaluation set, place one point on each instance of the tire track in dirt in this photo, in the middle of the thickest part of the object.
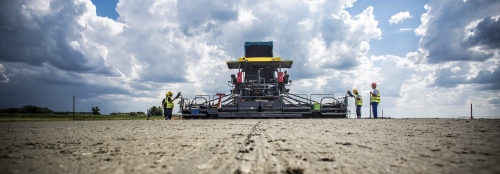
(218, 155)
(262, 152)
(250, 152)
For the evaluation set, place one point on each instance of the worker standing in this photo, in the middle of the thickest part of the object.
(374, 99)
(168, 105)
(358, 101)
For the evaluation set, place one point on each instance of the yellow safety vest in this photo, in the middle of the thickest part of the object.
(375, 98)
(358, 100)
(169, 104)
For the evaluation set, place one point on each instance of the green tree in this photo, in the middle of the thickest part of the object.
(95, 110)
(155, 111)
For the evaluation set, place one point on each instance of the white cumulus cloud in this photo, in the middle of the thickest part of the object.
(54, 49)
(399, 17)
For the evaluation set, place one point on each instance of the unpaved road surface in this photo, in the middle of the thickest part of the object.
(252, 146)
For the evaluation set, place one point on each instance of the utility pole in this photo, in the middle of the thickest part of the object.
(73, 107)
(471, 112)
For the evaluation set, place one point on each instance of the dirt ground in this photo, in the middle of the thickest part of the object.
(252, 146)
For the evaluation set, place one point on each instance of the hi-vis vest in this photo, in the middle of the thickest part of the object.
(169, 104)
(377, 97)
(358, 100)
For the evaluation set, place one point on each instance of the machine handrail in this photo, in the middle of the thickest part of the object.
(296, 100)
(297, 95)
(290, 102)
(200, 96)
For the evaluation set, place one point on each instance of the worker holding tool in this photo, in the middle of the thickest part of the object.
(358, 101)
(374, 99)
(168, 104)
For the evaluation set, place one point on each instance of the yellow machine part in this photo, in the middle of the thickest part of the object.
(259, 62)
(259, 59)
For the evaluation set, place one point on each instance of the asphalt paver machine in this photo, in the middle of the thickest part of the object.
(260, 89)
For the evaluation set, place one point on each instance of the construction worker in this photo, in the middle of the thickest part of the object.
(374, 99)
(168, 105)
(358, 101)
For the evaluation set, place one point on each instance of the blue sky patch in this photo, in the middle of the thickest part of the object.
(106, 8)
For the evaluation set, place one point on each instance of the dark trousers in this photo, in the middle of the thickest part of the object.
(358, 111)
(168, 113)
(374, 109)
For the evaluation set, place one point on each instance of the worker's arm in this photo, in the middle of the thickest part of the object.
(374, 93)
(176, 97)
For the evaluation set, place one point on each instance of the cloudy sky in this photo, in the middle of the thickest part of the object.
(430, 58)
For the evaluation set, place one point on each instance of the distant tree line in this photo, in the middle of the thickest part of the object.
(28, 109)
(69, 112)
(128, 113)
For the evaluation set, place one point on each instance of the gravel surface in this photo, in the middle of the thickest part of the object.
(252, 146)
